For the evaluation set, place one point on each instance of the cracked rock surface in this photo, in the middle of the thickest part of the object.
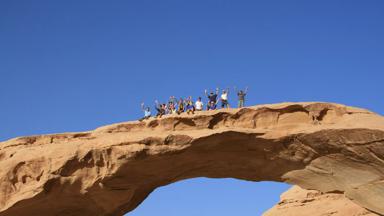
(325, 147)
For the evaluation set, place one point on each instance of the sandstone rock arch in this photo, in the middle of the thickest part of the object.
(111, 170)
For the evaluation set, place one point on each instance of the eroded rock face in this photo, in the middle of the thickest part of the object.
(300, 202)
(111, 170)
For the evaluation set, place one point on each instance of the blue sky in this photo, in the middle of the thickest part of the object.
(76, 65)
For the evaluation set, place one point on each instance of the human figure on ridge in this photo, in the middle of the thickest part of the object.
(224, 98)
(211, 105)
(161, 109)
(172, 105)
(147, 112)
(180, 106)
(241, 97)
(212, 97)
(190, 108)
(199, 104)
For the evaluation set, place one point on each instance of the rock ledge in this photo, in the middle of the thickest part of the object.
(111, 170)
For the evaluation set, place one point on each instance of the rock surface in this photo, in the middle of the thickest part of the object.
(111, 170)
(300, 202)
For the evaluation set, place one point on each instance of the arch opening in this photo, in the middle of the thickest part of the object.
(207, 196)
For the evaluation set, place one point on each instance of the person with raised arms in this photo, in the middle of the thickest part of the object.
(147, 112)
(241, 97)
(161, 109)
(212, 96)
(224, 98)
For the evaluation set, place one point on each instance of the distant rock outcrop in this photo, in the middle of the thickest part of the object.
(300, 202)
(111, 170)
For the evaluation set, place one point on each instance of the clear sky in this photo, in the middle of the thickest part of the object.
(75, 65)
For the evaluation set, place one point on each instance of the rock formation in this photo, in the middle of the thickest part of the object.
(300, 202)
(111, 170)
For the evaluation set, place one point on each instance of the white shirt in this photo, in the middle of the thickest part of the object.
(224, 96)
(199, 105)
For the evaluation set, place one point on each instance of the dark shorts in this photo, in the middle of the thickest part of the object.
(224, 103)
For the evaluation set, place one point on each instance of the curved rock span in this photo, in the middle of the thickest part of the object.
(326, 147)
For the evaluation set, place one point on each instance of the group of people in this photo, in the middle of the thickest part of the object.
(174, 106)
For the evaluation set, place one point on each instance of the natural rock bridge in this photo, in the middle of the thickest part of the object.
(111, 170)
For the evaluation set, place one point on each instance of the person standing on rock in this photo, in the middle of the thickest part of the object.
(241, 97)
(147, 112)
(224, 98)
